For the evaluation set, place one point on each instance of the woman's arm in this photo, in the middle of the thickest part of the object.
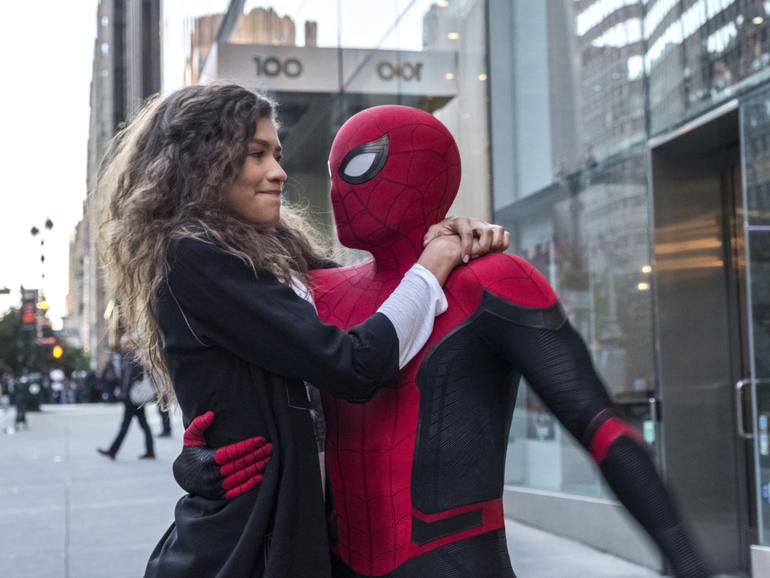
(252, 314)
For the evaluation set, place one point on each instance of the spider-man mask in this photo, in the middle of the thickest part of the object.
(395, 171)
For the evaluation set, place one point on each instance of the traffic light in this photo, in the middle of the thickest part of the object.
(51, 347)
(29, 299)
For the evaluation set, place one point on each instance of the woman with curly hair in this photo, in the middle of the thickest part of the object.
(211, 274)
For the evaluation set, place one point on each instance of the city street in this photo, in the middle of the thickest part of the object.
(177, 185)
(66, 512)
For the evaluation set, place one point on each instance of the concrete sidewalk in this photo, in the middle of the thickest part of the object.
(67, 512)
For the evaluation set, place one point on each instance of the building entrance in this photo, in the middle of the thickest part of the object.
(755, 149)
(703, 333)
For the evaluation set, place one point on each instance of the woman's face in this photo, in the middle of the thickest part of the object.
(255, 196)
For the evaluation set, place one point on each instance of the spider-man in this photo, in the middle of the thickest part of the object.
(415, 476)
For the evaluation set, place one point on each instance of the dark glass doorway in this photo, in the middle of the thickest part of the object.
(701, 333)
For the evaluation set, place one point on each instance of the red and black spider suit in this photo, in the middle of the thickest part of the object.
(415, 476)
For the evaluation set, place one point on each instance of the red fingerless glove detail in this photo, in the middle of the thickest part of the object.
(242, 489)
(261, 455)
(230, 471)
(237, 450)
(242, 476)
(195, 434)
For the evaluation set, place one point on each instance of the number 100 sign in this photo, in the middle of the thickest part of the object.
(272, 67)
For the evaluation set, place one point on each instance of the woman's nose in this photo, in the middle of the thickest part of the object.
(277, 173)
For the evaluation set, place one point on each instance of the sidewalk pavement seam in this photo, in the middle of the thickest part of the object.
(67, 519)
(67, 516)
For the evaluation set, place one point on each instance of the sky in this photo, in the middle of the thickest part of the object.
(46, 57)
(46, 53)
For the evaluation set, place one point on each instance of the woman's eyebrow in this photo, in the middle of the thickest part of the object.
(266, 144)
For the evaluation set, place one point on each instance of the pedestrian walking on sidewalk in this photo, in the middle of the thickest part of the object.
(130, 373)
(109, 382)
(165, 420)
(20, 393)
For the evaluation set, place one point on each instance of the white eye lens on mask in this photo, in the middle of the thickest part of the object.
(359, 164)
(365, 161)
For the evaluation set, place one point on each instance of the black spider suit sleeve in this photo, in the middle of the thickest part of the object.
(554, 360)
(240, 343)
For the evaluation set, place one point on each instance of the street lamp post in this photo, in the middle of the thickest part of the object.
(41, 306)
(34, 231)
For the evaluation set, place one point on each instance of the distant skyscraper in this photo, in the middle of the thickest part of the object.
(264, 26)
(311, 33)
(126, 70)
(74, 320)
(201, 39)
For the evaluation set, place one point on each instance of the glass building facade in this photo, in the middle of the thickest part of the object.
(628, 150)
(595, 130)
(576, 198)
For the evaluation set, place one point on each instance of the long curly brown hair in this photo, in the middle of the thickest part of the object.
(163, 178)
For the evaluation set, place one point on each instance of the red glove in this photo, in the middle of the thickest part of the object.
(227, 472)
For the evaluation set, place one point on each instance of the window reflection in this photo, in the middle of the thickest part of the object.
(701, 52)
(621, 34)
(598, 12)
(581, 217)
(592, 81)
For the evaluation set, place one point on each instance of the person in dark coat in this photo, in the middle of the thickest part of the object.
(109, 381)
(131, 373)
(92, 387)
(203, 257)
(165, 420)
(20, 393)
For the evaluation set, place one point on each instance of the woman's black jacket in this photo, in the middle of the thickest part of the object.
(239, 342)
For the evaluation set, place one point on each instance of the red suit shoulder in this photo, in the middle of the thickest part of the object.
(508, 276)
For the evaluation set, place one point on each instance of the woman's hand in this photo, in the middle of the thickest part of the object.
(227, 472)
(458, 240)
(441, 255)
(477, 237)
